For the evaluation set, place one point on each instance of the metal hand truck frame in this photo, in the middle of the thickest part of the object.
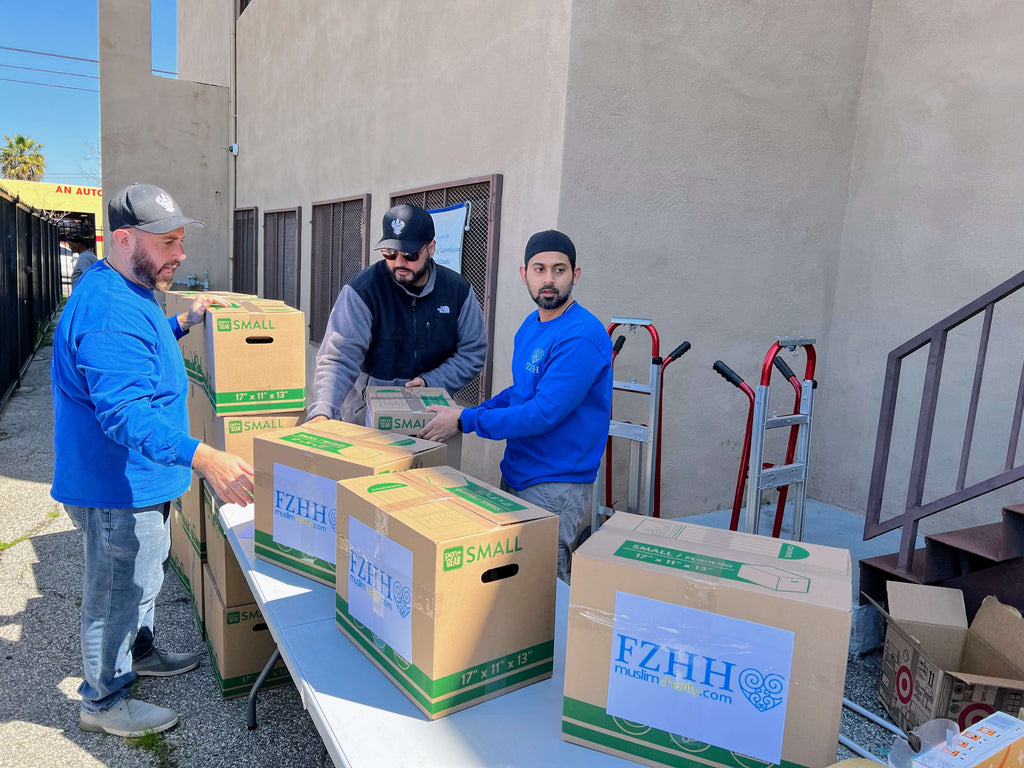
(754, 473)
(644, 484)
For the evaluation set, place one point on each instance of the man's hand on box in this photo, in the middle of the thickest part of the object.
(230, 476)
(444, 425)
(316, 419)
(417, 382)
(197, 311)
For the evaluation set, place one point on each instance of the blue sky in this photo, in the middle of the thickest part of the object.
(65, 121)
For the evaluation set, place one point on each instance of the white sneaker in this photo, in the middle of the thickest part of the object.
(130, 718)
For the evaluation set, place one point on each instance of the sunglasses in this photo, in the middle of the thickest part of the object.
(391, 254)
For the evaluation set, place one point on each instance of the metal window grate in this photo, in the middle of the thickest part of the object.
(281, 255)
(340, 248)
(479, 254)
(243, 279)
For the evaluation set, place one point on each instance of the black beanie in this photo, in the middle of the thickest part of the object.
(550, 240)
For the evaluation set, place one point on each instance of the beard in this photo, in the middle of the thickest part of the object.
(145, 272)
(551, 302)
(406, 280)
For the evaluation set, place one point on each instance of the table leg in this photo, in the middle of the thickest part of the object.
(251, 713)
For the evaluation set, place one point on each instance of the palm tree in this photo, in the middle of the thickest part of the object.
(21, 159)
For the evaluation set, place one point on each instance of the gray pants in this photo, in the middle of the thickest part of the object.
(571, 502)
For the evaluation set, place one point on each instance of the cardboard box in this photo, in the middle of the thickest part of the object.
(449, 587)
(190, 507)
(401, 410)
(227, 575)
(176, 302)
(249, 357)
(240, 644)
(296, 497)
(185, 562)
(994, 742)
(233, 433)
(935, 666)
(698, 646)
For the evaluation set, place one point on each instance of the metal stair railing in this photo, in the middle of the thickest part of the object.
(915, 510)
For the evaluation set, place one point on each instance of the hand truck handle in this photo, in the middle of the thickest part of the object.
(619, 343)
(784, 369)
(727, 373)
(676, 353)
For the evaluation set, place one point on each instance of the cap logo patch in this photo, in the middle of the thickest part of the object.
(397, 226)
(164, 201)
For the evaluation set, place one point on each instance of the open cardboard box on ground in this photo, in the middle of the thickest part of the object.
(449, 585)
(404, 410)
(297, 471)
(934, 665)
(695, 646)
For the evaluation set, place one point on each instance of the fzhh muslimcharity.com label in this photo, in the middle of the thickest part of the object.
(380, 586)
(710, 678)
(305, 512)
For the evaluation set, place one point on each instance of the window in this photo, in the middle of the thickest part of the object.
(479, 254)
(340, 248)
(281, 255)
(244, 254)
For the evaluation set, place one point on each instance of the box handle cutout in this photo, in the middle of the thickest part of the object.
(259, 339)
(261, 627)
(501, 572)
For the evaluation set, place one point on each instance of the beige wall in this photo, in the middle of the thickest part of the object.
(171, 133)
(361, 98)
(934, 220)
(840, 169)
(707, 150)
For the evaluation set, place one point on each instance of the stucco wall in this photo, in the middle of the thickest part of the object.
(376, 97)
(171, 133)
(707, 149)
(934, 220)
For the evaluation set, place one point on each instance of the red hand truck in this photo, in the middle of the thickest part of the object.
(644, 484)
(754, 473)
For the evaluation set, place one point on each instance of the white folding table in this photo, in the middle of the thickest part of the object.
(362, 717)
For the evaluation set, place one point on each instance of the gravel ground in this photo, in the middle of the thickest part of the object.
(40, 577)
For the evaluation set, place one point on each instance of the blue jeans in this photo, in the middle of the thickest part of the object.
(571, 502)
(125, 550)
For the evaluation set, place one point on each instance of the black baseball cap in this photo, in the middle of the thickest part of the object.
(145, 207)
(407, 228)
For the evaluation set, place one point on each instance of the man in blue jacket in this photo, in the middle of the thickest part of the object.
(123, 452)
(554, 418)
(401, 321)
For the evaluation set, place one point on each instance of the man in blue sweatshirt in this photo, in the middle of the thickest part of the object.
(122, 452)
(554, 418)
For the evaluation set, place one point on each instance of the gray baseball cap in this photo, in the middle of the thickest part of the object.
(145, 207)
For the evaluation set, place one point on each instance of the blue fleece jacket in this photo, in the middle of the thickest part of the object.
(119, 398)
(554, 418)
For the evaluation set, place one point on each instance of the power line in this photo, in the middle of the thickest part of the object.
(73, 58)
(43, 53)
(49, 71)
(49, 85)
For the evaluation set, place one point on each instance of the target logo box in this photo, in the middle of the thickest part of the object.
(936, 666)
(694, 646)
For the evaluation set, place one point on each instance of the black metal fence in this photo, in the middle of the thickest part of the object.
(31, 286)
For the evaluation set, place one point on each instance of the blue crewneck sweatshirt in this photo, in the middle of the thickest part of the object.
(119, 397)
(554, 418)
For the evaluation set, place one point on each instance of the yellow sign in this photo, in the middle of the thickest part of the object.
(61, 199)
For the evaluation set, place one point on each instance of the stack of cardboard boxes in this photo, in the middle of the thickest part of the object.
(246, 369)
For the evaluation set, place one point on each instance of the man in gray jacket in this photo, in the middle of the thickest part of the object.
(85, 257)
(401, 321)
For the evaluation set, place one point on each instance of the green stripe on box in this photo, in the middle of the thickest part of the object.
(486, 498)
(455, 689)
(591, 723)
(264, 545)
(267, 405)
(434, 400)
(185, 582)
(242, 684)
(258, 396)
(320, 443)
